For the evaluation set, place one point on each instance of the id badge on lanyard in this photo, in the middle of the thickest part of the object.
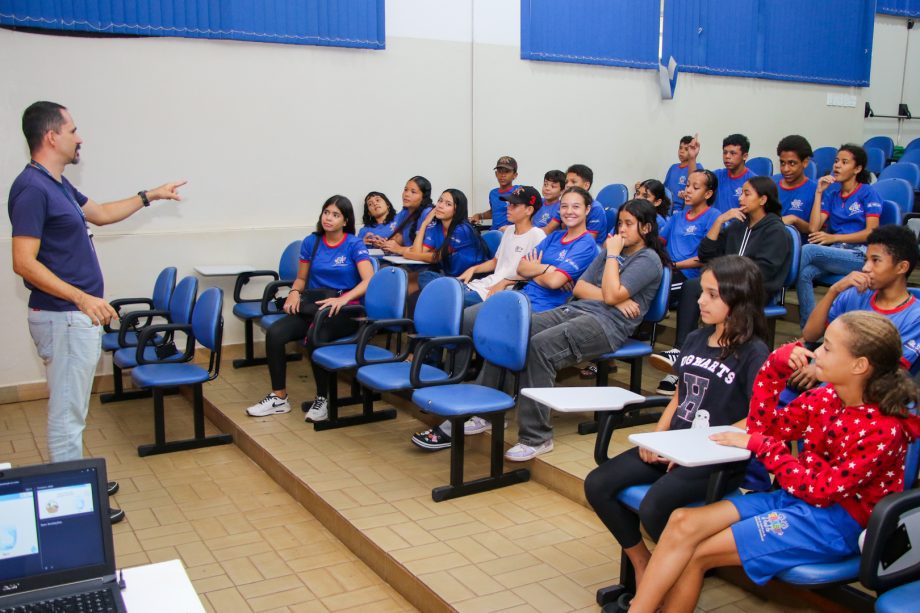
(69, 197)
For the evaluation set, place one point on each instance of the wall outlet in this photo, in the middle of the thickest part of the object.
(846, 100)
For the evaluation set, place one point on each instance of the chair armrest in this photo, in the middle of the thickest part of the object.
(322, 316)
(609, 420)
(146, 338)
(369, 331)
(129, 322)
(244, 277)
(888, 514)
(121, 302)
(268, 295)
(461, 344)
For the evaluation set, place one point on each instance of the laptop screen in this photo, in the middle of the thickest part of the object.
(54, 527)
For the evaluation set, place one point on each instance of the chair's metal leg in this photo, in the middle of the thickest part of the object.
(364, 396)
(198, 410)
(160, 444)
(118, 391)
(159, 418)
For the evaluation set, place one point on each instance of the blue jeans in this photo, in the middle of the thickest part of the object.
(817, 261)
(69, 345)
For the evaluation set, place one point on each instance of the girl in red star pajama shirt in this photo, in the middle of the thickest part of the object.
(855, 433)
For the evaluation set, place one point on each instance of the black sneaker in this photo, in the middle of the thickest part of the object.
(112, 488)
(667, 386)
(116, 515)
(432, 440)
(665, 360)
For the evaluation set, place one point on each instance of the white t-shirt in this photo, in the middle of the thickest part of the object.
(510, 251)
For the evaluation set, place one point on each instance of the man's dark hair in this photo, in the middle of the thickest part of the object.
(686, 140)
(582, 171)
(38, 119)
(797, 145)
(739, 140)
(899, 241)
(555, 176)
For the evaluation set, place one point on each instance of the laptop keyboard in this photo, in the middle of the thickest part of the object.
(100, 601)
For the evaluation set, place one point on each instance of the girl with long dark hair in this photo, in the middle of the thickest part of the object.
(379, 219)
(416, 199)
(716, 371)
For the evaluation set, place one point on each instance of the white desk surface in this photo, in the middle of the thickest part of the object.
(160, 587)
(691, 447)
(582, 399)
(224, 270)
(398, 260)
(375, 253)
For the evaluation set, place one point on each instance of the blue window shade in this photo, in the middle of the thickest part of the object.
(822, 41)
(355, 23)
(608, 32)
(905, 8)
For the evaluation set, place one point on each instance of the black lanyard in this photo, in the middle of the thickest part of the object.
(64, 189)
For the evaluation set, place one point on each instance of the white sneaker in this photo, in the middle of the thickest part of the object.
(665, 360)
(319, 411)
(522, 452)
(269, 405)
(476, 425)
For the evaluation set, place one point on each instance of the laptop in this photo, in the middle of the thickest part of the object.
(56, 548)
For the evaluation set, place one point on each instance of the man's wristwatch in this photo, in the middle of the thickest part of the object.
(143, 195)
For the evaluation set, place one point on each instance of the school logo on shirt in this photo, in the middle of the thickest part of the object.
(855, 209)
(682, 180)
(796, 205)
(544, 219)
(691, 230)
(561, 255)
(772, 522)
(738, 193)
(340, 261)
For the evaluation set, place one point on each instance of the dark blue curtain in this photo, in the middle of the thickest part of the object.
(905, 8)
(821, 41)
(609, 32)
(355, 23)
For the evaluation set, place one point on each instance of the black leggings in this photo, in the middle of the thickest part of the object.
(295, 328)
(670, 490)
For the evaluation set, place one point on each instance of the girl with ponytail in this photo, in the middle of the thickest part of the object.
(854, 435)
(846, 209)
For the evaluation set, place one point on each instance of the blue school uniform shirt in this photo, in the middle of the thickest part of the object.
(676, 180)
(847, 214)
(596, 222)
(571, 258)
(797, 200)
(730, 188)
(548, 212)
(465, 248)
(335, 266)
(384, 230)
(407, 230)
(906, 318)
(499, 207)
(683, 235)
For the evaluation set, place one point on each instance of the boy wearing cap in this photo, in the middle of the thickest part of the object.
(505, 172)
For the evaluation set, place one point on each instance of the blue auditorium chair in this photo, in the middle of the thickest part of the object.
(162, 292)
(876, 161)
(912, 146)
(883, 143)
(824, 157)
(908, 171)
(385, 300)
(776, 309)
(912, 156)
(206, 329)
(251, 310)
(811, 171)
(891, 214)
(501, 336)
(885, 566)
(613, 196)
(899, 191)
(493, 239)
(760, 166)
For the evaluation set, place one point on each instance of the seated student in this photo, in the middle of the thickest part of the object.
(827, 491)
(851, 209)
(653, 190)
(735, 148)
(417, 204)
(579, 175)
(610, 300)
(683, 232)
(449, 240)
(796, 191)
(517, 241)
(753, 230)
(881, 286)
(717, 367)
(676, 178)
(553, 184)
(506, 171)
(379, 219)
(334, 270)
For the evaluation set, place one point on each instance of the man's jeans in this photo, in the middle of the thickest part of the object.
(70, 345)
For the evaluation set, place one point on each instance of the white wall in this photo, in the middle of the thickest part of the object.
(266, 132)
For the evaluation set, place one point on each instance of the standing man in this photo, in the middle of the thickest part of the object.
(54, 254)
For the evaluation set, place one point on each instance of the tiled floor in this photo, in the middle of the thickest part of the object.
(248, 544)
